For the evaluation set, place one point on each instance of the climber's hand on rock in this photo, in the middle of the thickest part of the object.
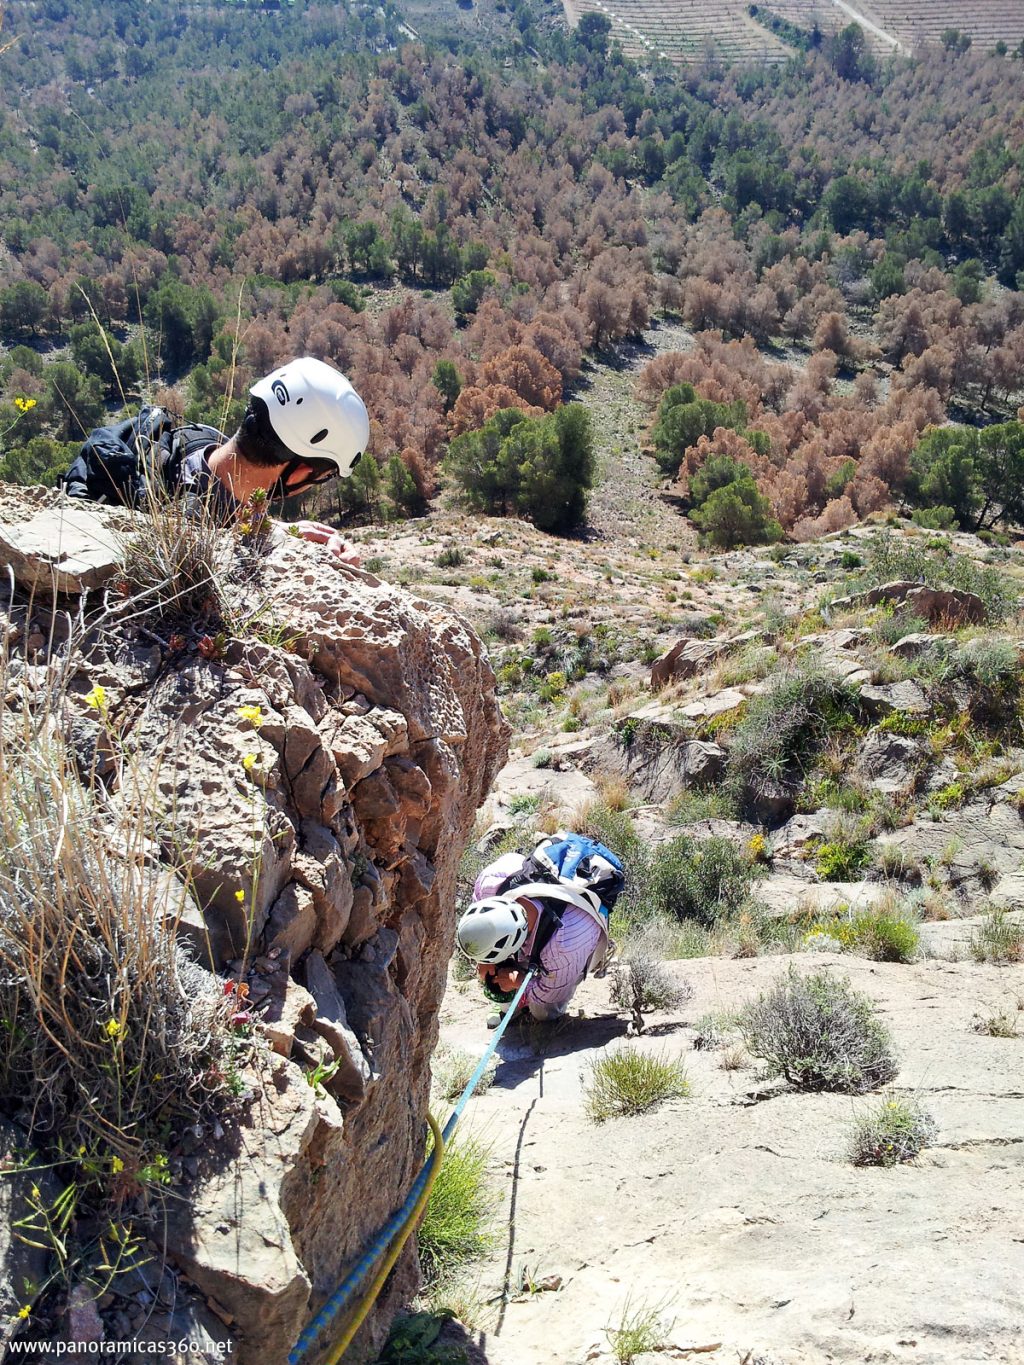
(320, 534)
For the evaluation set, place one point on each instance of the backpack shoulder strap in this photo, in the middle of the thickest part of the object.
(551, 916)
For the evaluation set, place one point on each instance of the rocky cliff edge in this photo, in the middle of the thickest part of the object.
(313, 778)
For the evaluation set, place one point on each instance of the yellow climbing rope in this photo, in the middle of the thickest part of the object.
(403, 1235)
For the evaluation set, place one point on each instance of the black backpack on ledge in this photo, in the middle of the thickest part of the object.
(117, 463)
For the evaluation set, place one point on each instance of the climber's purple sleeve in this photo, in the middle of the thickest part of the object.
(565, 960)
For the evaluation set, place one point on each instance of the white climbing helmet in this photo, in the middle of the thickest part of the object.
(492, 930)
(316, 413)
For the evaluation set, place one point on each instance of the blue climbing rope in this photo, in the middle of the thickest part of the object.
(357, 1276)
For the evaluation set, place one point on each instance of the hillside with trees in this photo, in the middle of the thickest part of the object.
(459, 230)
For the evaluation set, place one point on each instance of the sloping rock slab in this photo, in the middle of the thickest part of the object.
(901, 696)
(785, 895)
(66, 547)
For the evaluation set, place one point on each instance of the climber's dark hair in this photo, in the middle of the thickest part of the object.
(256, 439)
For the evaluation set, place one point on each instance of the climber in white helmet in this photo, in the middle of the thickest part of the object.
(304, 424)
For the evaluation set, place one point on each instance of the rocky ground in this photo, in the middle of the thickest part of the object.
(735, 1211)
(631, 663)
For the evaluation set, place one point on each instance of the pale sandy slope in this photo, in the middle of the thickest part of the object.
(741, 1211)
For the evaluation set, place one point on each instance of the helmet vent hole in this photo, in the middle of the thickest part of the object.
(298, 401)
(501, 942)
(315, 440)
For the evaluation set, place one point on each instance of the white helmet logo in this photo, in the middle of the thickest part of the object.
(280, 392)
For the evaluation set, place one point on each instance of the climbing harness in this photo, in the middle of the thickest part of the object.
(397, 1230)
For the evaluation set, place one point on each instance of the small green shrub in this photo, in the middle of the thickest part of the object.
(626, 1082)
(819, 1034)
(998, 939)
(897, 1130)
(641, 982)
(541, 758)
(839, 861)
(886, 934)
(524, 803)
(891, 557)
(706, 880)
(413, 1340)
(451, 557)
(934, 518)
(708, 803)
(454, 1227)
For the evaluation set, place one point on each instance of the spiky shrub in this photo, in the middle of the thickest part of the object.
(897, 1130)
(624, 1083)
(819, 1034)
(641, 982)
(782, 731)
(175, 562)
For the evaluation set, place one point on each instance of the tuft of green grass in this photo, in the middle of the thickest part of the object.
(818, 1033)
(1004, 1025)
(641, 1328)
(455, 1226)
(998, 939)
(626, 1082)
(451, 1069)
(897, 1130)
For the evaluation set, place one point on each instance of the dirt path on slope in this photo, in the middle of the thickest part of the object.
(626, 507)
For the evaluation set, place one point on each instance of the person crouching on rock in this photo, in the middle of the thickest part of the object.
(560, 930)
(304, 424)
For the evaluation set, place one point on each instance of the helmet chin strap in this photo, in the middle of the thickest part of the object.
(280, 489)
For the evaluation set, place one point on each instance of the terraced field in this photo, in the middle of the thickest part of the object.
(915, 22)
(685, 30)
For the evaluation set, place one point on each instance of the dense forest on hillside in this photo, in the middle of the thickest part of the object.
(190, 193)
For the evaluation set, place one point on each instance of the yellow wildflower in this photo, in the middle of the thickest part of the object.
(113, 1028)
(239, 895)
(97, 698)
(249, 762)
(117, 1165)
(24, 1311)
(35, 1191)
(252, 714)
(24, 404)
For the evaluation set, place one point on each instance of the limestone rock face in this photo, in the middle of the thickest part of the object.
(690, 656)
(316, 801)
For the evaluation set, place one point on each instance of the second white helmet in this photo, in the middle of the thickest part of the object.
(316, 413)
(492, 930)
